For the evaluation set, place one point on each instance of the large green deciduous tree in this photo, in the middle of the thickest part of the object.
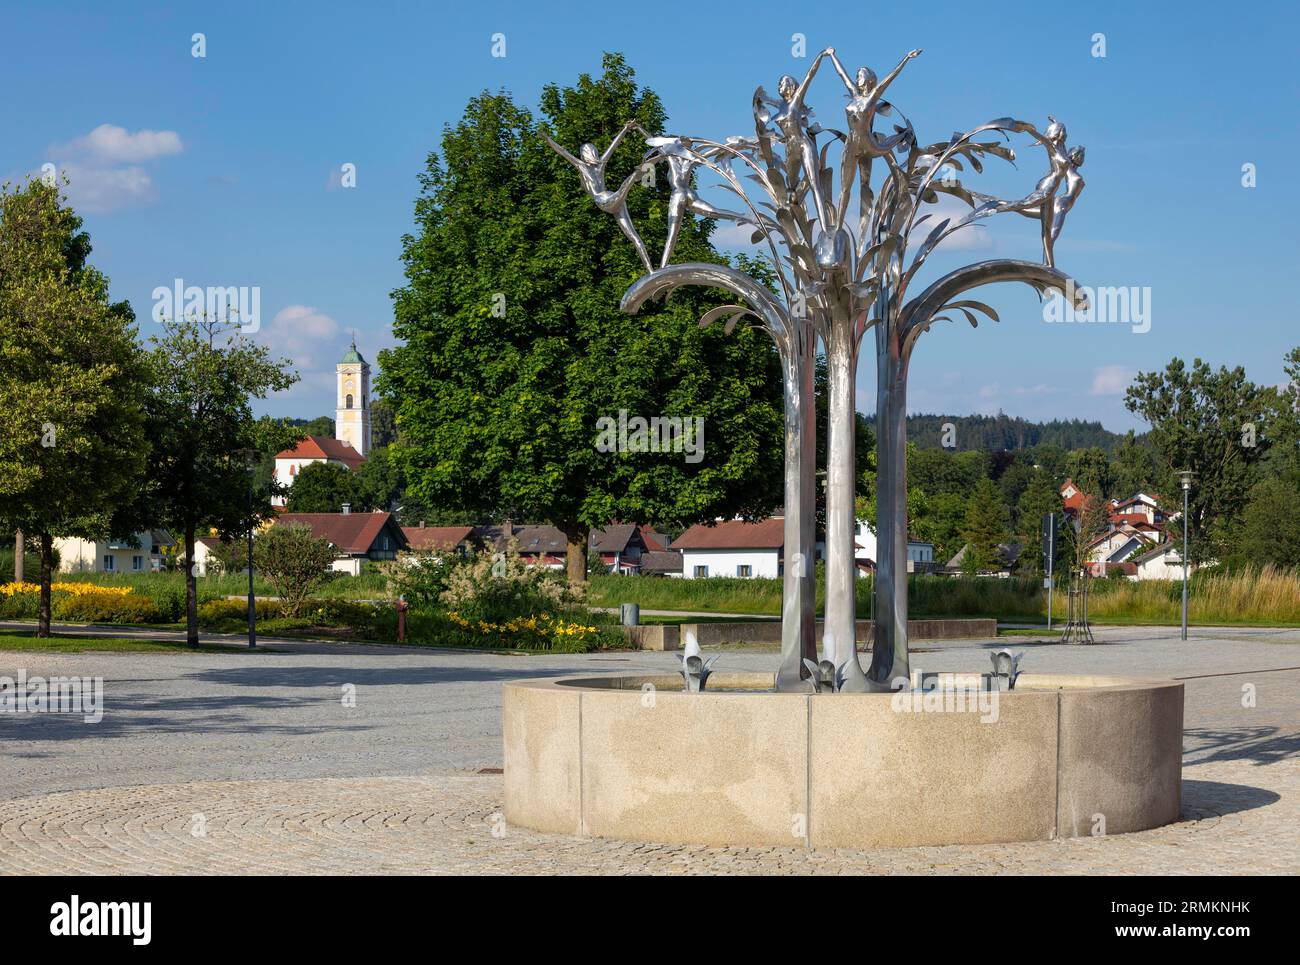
(514, 345)
(72, 380)
(201, 428)
(1214, 423)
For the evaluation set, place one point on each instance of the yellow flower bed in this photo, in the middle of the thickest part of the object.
(72, 589)
(544, 625)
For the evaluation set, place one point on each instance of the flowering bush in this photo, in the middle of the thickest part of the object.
(78, 602)
(496, 587)
(75, 589)
(542, 632)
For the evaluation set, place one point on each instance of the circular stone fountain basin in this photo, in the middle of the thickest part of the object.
(634, 757)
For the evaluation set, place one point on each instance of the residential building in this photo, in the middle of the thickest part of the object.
(1163, 562)
(621, 547)
(145, 552)
(357, 537)
(442, 539)
(733, 548)
(661, 563)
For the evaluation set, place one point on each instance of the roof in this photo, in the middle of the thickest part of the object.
(351, 533)
(323, 447)
(653, 540)
(353, 357)
(661, 561)
(436, 537)
(613, 538)
(734, 534)
(537, 539)
(1008, 555)
(1160, 550)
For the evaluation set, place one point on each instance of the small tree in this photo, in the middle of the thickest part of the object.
(293, 561)
(986, 527)
(199, 422)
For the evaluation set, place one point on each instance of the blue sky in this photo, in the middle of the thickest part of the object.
(223, 170)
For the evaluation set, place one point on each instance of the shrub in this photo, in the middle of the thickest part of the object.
(495, 587)
(104, 607)
(294, 562)
(451, 630)
(421, 578)
(233, 614)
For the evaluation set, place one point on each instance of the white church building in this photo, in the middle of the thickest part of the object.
(351, 443)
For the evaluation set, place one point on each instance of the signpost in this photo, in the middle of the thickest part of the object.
(1049, 552)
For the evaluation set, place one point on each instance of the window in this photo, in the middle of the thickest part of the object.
(347, 402)
(108, 562)
(744, 570)
(137, 562)
(701, 572)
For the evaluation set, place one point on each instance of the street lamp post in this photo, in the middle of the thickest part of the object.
(250, 459)
(1185, 478)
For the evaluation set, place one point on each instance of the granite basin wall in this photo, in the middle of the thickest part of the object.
(633, 757)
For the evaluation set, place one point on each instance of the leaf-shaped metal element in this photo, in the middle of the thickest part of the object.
(977, 306)
(713, 314)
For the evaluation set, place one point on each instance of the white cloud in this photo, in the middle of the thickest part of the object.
(100, 190)
(103, 169)
(304, 335)
(112, 145)
(1112, 380)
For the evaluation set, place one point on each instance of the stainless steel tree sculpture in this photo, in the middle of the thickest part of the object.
(834, 280)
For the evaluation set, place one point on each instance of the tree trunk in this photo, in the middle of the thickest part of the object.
(47, 567)
(191, 592)
(889, 651)
(19, 542)
(575, 559)
(840, 633)
(798, 620)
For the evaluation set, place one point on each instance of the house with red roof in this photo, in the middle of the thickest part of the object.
(289, 462)
(439, 539)
(733, 547)
(357, 537)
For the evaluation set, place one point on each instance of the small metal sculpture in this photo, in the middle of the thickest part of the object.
(833, 282)
(822, 677)
(1006, 668)
(695, 669)
(590, 165)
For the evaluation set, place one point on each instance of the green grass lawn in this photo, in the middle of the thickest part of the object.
(22, 641)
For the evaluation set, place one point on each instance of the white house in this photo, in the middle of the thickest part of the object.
(1165, 562)
(114, 556)
(733, 547)
(865, 548)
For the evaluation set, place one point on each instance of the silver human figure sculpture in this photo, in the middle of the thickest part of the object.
(864, 100)
(1054, 194)
(792, 119)
(684, 198)
(590, 166)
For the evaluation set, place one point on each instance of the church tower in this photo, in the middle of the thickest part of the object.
(352, 421)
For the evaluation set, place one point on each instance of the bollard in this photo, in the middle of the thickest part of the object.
(402, 607)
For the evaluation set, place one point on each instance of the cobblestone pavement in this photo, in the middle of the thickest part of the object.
(260, 754)
(1236, 816)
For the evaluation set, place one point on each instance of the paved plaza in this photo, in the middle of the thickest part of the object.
(258, 763)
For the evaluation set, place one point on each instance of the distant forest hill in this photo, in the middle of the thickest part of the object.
(1003, 432)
